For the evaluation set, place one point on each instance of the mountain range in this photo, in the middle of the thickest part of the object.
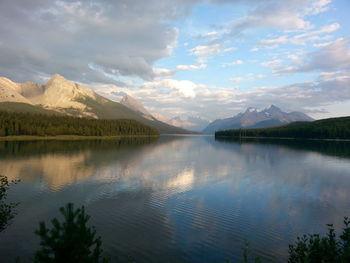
(64, 97)
(253, 118)
(189, 122)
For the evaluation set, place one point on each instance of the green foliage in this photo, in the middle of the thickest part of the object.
(46, 125)
(246, 255)
(334, 128)
(70, 241)
(7, 212)
(328, 249)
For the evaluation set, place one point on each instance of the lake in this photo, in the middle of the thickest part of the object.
(179, 198)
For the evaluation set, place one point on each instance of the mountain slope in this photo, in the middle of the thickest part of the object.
(106, 109)
(136, 106)
(69, 98)
(10, 92)
(252, 118)
(333, 128)
(25, 107)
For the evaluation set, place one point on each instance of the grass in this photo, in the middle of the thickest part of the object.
(66, 137)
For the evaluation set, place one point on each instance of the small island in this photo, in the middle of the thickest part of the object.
(325, 129)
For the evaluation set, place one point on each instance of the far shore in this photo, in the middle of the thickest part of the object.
(282, 138)
(69, 137)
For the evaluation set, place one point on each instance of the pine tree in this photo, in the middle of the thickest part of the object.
(70, 241)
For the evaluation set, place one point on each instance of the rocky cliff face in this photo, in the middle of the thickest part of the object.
(57, 94)
(62, 93)
(11, 92)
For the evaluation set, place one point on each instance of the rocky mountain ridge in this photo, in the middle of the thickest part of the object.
(66, 97)
(253, 118)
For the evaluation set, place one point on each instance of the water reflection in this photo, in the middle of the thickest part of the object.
(331, 148)
(187, 199)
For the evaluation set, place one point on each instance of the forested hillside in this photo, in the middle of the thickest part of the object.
(51, 125)
(334, 128)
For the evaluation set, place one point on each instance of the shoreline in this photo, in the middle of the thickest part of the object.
(283, 138)
(69, 137)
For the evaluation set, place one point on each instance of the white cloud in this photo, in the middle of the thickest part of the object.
(229, 49)
(302, 39)
(254, 49)
(233, 63)
(333, 56)
(249, 77)
(317, 7)
(191, 67)
(185, 88)
(238, 79)
(203, 52)
(273, 64)
(322, 44)
(287, 15)
(212, 33)
(163, 72)
(172, 97)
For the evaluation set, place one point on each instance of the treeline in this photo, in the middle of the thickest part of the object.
(50, 125)
(334, 128)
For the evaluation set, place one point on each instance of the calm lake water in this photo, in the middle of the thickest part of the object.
(179, 199)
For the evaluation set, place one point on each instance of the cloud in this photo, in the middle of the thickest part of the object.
(254, 49)
(273, 64)
(238, 79)
(203, 52)
(249, 77)
(331, 57)
(163, 72)
(325, 90)
(185, 88)
(123, 38)
(175, 97)
(233, 63)
(286, 15)
(191, 67)
(317, 7)
(302, 39)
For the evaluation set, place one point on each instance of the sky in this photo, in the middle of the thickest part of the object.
(207, 58)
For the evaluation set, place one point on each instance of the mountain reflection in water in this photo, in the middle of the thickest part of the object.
(181, 198)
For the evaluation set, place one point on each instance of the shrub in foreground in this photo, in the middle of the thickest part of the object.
(7, 212)
(328, 249)
(70, 241)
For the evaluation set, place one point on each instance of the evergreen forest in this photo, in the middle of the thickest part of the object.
(333, 128)
(15, 124)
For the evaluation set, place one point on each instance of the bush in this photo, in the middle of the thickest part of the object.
(7, 212)
(70, 241)
(316, 249)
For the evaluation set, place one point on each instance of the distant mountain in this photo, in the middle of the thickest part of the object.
(252, 118)
(193, 123)
(61, 96)
(333, 128)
